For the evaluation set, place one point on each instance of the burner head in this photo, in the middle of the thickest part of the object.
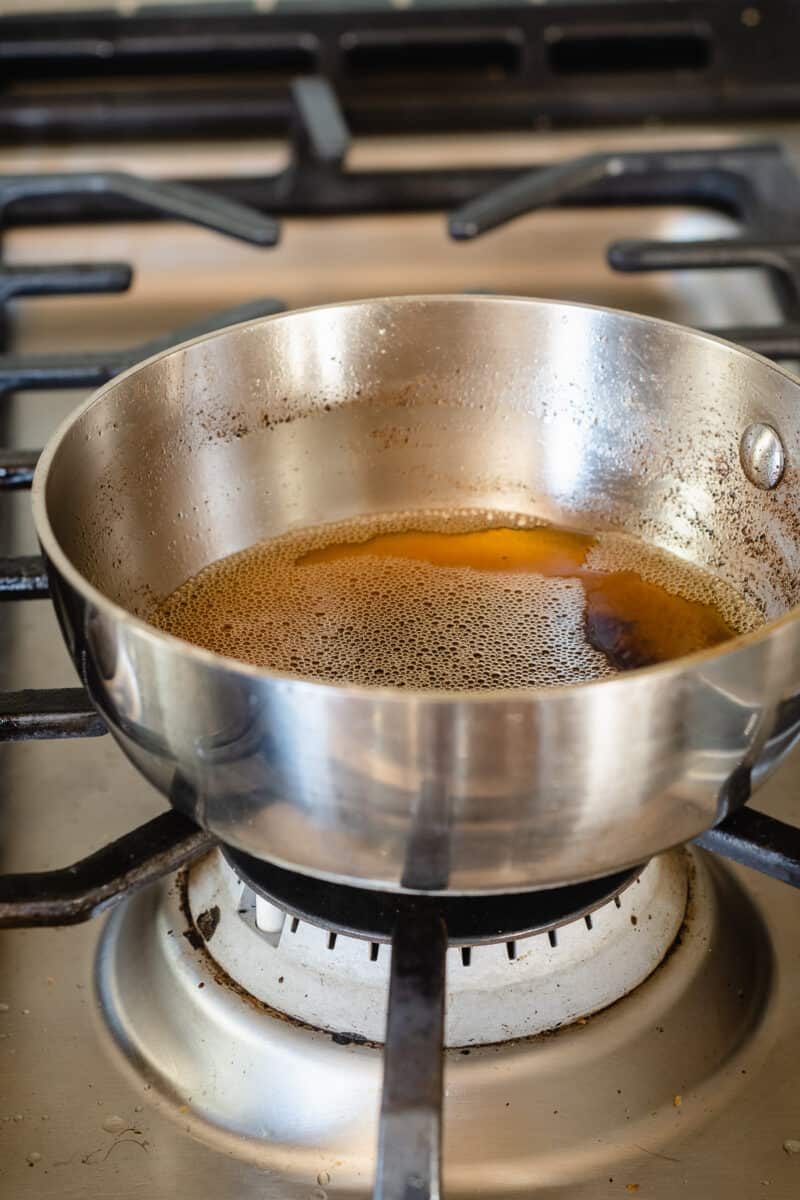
(512, 984)
(470, 920)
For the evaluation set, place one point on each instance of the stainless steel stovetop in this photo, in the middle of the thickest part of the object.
(127, 1069)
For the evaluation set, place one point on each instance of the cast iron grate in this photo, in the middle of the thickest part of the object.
(417, 66)
(164, 844)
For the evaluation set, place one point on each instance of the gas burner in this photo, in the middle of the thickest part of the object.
(372, 915)
(526, 976)
(192, 1001)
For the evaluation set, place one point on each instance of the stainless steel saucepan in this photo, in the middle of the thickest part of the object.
(588, 417)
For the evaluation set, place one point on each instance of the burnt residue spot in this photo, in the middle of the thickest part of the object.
(350, 1039)
(615, 638)
(193, 938)
(635, 622)
(223, 980)
(208, 921)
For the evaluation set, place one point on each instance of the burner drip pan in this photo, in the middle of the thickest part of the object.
(295, 1101)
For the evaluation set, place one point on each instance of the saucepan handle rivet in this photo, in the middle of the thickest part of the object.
(762, 455)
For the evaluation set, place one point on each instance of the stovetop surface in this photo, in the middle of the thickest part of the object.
(74, 1120)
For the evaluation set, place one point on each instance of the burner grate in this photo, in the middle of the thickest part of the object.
(71, 894)
(445, 66)
(16, 468)
(155, 198)
(29, 372)
(758, 841)
(46, 713)
(755, 184)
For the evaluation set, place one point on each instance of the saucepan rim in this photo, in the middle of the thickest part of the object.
(65, 567)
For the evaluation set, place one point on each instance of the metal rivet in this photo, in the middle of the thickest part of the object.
(762, 455)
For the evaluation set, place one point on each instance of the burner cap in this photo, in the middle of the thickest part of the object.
(470, 920)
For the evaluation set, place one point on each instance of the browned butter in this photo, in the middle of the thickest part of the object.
(453, 600)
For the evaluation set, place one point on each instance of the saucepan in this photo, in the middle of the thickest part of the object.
(591, 418)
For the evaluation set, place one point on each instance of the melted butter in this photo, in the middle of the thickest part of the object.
(456, 602)
(633, 622)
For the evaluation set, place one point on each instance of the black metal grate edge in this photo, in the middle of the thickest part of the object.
(44, 713)
(425, 67)
(68, 895)
(72, 894)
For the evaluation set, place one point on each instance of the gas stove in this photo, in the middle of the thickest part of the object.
(266, 1028)
(223, 1032)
